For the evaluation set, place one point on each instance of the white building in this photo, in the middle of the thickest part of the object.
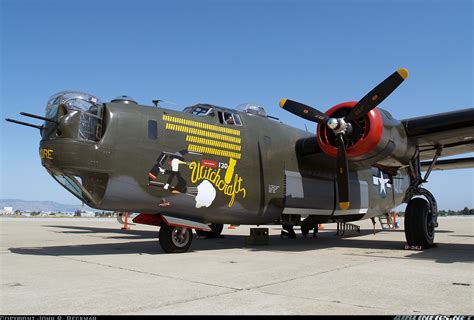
(88, 214)
(7, 210)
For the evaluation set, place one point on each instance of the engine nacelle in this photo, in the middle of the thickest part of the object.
(376, 138)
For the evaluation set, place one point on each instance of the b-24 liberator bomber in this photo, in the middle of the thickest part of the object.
(208, 165)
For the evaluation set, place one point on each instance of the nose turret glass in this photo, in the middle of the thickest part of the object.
(89, 106)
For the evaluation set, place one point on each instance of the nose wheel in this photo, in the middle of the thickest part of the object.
(175, 239)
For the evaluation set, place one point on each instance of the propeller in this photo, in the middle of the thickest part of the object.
(342, 126)
(304, 111)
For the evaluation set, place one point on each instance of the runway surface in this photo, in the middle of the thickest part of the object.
(90, 266)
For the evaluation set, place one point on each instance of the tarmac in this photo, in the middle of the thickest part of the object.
(89, 266)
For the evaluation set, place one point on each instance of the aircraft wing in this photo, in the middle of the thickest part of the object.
(448, 164)
(453, 130)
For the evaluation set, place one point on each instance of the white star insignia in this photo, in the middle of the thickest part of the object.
(383, 183)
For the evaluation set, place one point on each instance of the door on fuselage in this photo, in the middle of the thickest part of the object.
(308, 195)
(318, 196)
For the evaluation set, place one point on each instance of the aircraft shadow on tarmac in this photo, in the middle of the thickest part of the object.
(121, 234)
(443, 253)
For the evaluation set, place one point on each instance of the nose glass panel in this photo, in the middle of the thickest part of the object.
(90, 107)
(72, 185)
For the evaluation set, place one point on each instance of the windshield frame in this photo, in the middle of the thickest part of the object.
(210, 110)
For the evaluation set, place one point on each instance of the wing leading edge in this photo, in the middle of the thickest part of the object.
(454, 131)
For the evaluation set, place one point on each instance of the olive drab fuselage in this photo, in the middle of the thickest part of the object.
(199, 167)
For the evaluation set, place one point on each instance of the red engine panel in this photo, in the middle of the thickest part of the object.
(150, 219)
(371, 134)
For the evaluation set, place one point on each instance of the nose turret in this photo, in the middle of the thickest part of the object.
(78, 115)
(69, 144)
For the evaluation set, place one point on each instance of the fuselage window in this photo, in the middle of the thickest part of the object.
(229, 118)
(152, 130)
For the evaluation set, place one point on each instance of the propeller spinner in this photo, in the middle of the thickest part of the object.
(342, 127)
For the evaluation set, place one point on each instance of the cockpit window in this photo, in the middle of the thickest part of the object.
(237, 120)
(229, 118)
(200, 110)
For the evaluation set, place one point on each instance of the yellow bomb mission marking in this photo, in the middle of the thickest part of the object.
(46, 154)
(199, 172)
(201, 125)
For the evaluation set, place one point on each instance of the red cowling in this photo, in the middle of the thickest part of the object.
(369, 132)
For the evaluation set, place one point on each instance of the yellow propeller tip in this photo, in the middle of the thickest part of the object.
(403, 73)
(344, 205)
(282, 102)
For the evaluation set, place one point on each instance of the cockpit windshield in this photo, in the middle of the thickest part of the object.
(200, 110)
(90, 108)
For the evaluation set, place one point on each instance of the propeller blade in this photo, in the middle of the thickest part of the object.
(304, 111)
(377, 95)
(342, 174)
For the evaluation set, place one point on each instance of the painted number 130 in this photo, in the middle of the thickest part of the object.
(223, 165)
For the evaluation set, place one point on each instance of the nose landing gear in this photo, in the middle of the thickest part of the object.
(175, 239)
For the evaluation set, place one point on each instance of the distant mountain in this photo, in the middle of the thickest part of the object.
(47, 206)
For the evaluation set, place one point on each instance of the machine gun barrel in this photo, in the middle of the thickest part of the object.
(37, 117)
(25, 124)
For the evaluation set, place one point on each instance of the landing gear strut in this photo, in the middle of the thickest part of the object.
(305, 230)
(288, 231)
(421, 215)
(216, 230)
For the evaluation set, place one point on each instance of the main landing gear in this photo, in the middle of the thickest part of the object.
(288, 231)
(305, 230)
(421, 213)
(216, 230)
(420, 223)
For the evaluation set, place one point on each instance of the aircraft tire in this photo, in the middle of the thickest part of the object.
(175, 239)
(216, 230)
(418, 228)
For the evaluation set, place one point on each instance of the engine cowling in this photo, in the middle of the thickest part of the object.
(376, 138)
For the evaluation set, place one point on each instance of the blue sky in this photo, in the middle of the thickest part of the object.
(229, 52)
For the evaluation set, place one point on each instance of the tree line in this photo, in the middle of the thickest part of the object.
(464, 212)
